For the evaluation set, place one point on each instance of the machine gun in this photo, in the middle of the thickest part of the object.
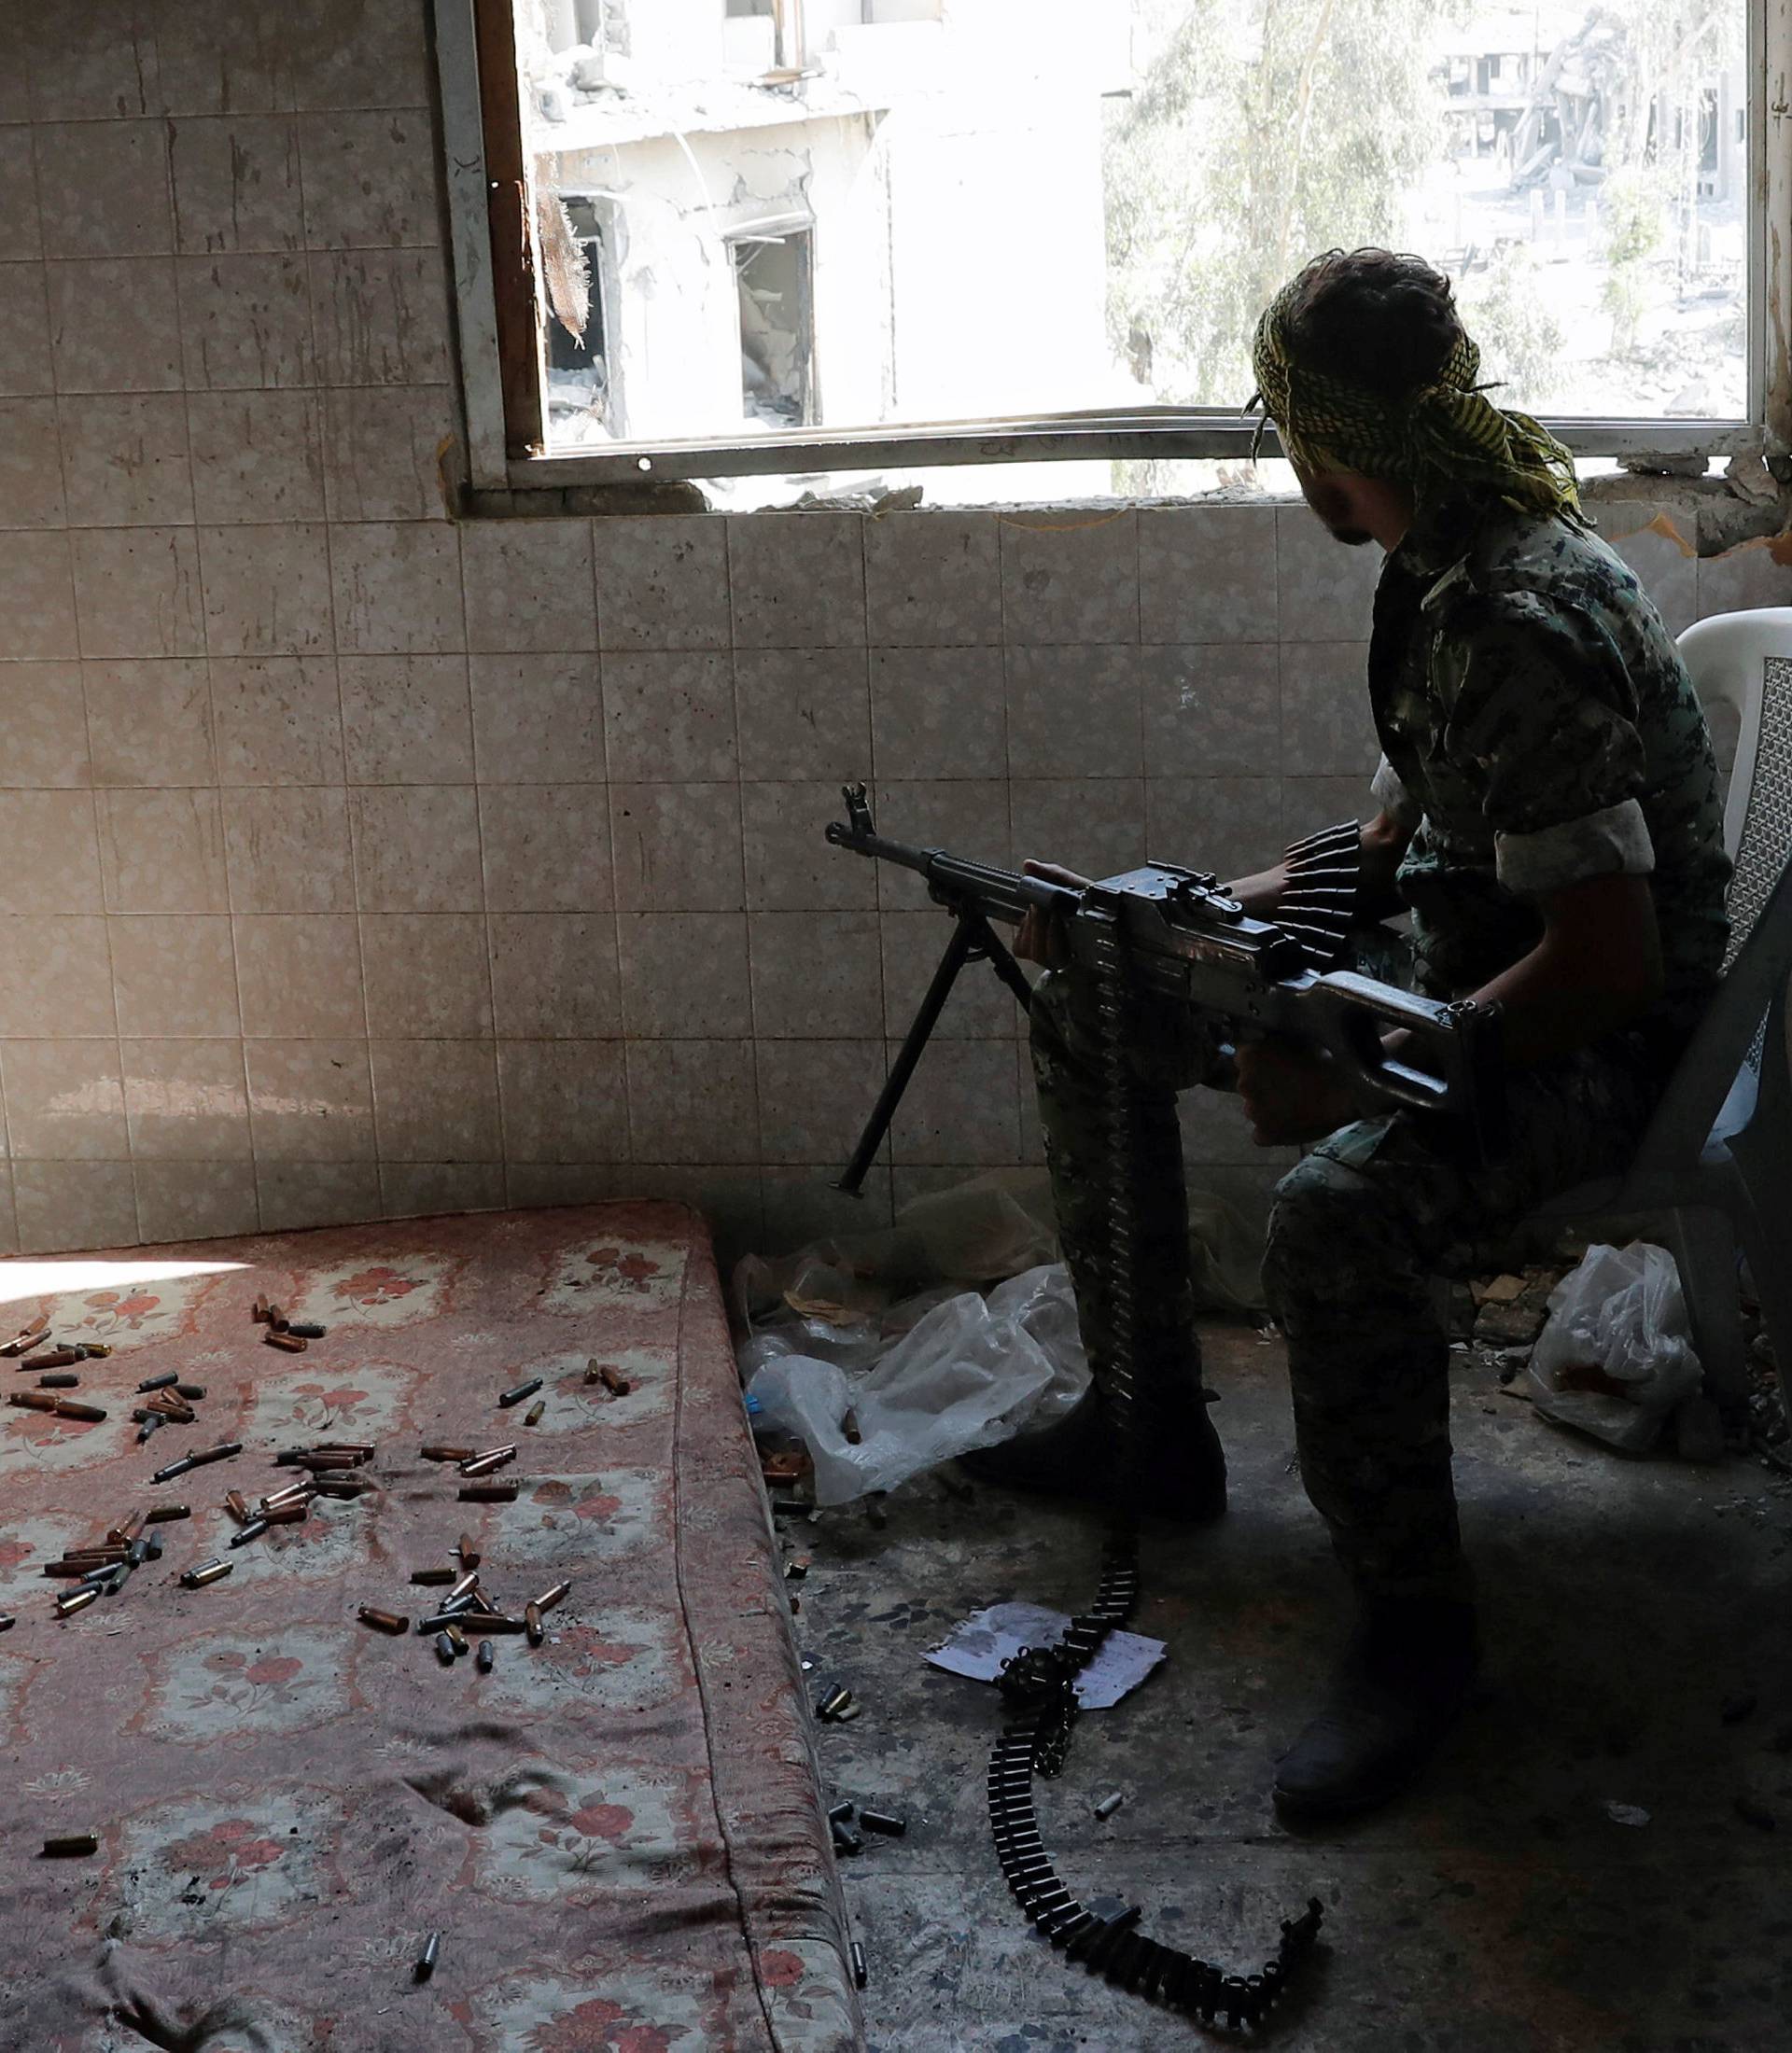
(1183, 938)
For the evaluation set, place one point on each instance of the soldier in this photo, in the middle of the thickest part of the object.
(1550, 816)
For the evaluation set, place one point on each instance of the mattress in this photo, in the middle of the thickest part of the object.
(616, 1833)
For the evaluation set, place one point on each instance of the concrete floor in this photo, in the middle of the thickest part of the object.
(1632, 1610)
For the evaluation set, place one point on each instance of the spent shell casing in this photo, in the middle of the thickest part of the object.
(253, 1530)
(176, 1468)
(490, 1459)
(238, 1506)
(489, 1620)
(1108, 1804)
(121, 1536)
(258, 1312)
(840, 1813)
(444, 1649)
(152, 1422)
(860, 1973)
(456, 1638)
(550, 1598)
(193, 1392)
(367, 1449)
(163, 1382)
(144, 1549)
(276, 1315)
(881, 1820)
(77, 1600)
(488, 1493)
(464, 1585)
(613, 1380)
(38, 1401)
(290, 1493)
(66, 1407)
(427, 1960)
(532, 1623)
(326, 1458)
(518, 1391)
(160, 1513)
(305, 1329)
(487, 1655)
(70, 1846)
(93, 1350)
(468, 1552)
(222, 1452)
(294, 1514)
(845, 1839)
(430, 1576)
(66, 1379)
(446, 1454)
(382, 1621)
(533, 1415)
(28, 1337)
(439, 1621)
(54, 1358)
(341, 1486)
(212, 1570)
(292, 1343)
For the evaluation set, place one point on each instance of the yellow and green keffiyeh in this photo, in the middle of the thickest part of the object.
(1442, 437)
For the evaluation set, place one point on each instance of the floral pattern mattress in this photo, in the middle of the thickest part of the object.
(616, 1833)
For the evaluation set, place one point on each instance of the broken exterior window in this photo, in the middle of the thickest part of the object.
(777, 329)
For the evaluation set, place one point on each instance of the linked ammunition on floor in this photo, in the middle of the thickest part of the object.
(291, 1342)
(160, 1513)
(860, 1972)
(210, 1571)
(77, 1600)
(38, 1401)
(427, 1960)
(163, 1382)
(487, 1655)
(65, 1380)
(613, 1380)
(535, 1412)
(518, 1391)
(881, 1820)
(446, 1454)
(532, 1623)
(492, 1458)
(382, 1621)
(444, 1649)
(488, 1493)
(222, 1452)
(468, 1552)
(550, 1598)
(70, 1846)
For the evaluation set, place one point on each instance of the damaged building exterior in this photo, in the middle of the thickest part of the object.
(827, 215)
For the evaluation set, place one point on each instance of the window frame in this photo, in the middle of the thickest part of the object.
(499, 317)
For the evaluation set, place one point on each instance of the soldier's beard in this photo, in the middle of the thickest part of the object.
(1333, 506)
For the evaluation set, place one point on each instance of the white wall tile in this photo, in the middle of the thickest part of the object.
(31, 470)
(933, 578)
(25, 355)
(236, 184)
(436, 1101)
(174, 975)
(684, 976)
(538, 719)
(663, 582)
(1326, 726)
(74, 1204)
(939, 712)
(150, 723)
(300, 974)
(420, 1190)
(961, 1106)
(195, 1200)
(979, 1009)
(380, 317)
(427, 973)
(257, 456)
(967, 816)
(797, 580)
(84, 337)
(1074, 578)
(64, 1099)
(691, 1101)
(390, 453)
(62, 954)
(246, 320)
(1212, 709)
(369, 179)
(416, 848)
(1075, 711)
(802, 713)
(52, 853)
(288, 850)
(554, 976)
(669, 718)
(789, 867)
(1326, 590)
(677, 848)
(360, 53)
(1207, 574)
(37, 595)
(99, 62)
(161, 851)
(546, 849)
(102, 188)
(21, 234)
(311, 1100)
(564, 1100)
(815, 975)
(230, 58)
(277, 719)
(528, 586)
(137, 591)
(397, 587)
(407, 720)
(813, 1096)
(125, 460)
(1095, 826)
(186, 1100)
(1231, 825)
(293, 1195)
(43, 715)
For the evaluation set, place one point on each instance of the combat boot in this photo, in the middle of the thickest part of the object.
(1403, 1680)
(1180, 1473)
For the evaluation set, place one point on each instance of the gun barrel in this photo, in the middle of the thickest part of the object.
(1006, 895)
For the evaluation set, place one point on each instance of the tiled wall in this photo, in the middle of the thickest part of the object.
(361, 862)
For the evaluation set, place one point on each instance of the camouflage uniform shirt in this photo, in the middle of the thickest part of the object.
(1539, 730)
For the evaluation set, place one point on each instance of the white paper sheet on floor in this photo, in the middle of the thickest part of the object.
(984, 1640)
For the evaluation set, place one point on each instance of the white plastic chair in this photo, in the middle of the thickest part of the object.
(1718, 1158)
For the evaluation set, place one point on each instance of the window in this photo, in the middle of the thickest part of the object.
(862, 238)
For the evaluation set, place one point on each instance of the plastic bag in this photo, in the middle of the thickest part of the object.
(970, 1371)
(1614, 1358)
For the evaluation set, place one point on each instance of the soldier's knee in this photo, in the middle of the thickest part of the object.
(1322, 1227)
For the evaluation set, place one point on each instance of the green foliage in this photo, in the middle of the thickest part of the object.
(1507, 312)
(1264, 134)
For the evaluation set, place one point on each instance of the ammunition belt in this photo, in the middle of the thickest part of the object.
(1039, 1684)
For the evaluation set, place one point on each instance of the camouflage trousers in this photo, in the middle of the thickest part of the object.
(1358, 1229)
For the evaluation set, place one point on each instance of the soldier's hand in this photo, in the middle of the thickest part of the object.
(1289, 1096)
(1042, 938)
